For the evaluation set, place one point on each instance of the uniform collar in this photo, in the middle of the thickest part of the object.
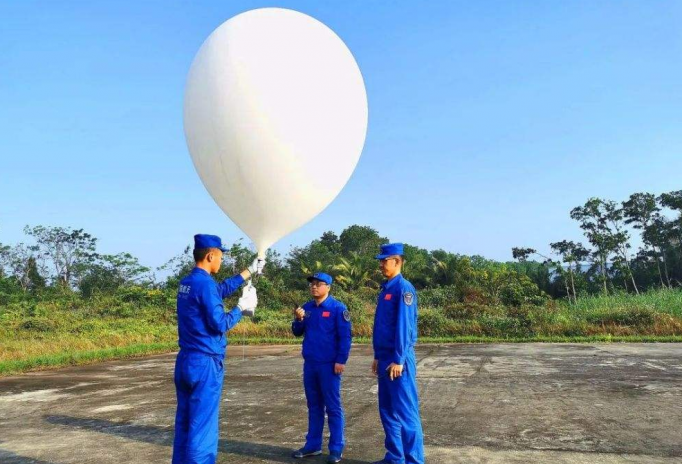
(198, 270)
(391, 282)
(325, 303)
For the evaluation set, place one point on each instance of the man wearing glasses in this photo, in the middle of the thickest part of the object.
(393, 338)
(325, 324)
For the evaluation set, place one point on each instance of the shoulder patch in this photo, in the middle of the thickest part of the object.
(346, 315)
(408, 298)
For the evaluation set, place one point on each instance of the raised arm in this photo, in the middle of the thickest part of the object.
(228, 286)
(214, 311)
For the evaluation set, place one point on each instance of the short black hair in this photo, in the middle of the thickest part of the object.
(201, 253)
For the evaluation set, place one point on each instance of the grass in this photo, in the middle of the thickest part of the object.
(48, 334)
(77, 358)
(661, 301)
(82, 357)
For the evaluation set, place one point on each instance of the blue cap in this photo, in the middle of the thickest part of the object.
(208, 241)
(390, 249)
(322, 277)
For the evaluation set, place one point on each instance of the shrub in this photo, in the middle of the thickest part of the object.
(507, 326)
(149, 296)
(625, 317)
(433, 323)
(273, 315)
(471, 311)
(522, 291)
(38, 324)
(439, 296)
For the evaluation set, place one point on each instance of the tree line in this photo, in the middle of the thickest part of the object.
(607, 263)
(62, 259)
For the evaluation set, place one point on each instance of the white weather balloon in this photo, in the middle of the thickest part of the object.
(275, 119)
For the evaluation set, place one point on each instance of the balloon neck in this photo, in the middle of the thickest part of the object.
(261, 254)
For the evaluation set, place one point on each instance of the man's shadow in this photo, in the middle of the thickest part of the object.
(164, 437)
(8, 457)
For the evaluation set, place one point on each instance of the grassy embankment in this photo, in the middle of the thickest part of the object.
(70, 330)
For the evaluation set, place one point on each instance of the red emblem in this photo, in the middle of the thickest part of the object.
(388, 296)
(326, 314)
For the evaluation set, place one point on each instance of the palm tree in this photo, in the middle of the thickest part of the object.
(351, 272)
(313, 269)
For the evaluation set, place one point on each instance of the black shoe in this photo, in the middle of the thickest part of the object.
(333, 458)
(304, 453)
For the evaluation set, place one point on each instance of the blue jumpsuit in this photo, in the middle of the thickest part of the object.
(394, 337)
(202, 323)
(327, 341)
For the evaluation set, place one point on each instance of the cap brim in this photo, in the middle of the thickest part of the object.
(382, 256)
(223, 249)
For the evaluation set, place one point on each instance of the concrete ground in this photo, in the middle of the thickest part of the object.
(540, 403)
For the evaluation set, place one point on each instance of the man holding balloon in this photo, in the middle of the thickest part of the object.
(202, 323)
(275, 117)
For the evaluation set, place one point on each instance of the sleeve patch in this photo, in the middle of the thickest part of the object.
(408, 298)
(346, 315)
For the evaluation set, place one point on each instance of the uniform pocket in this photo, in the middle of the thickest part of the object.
(327, 323)
(197, 360)
(195, 369)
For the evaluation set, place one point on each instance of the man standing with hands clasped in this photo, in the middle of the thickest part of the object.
(393, 339)
(325, 324)
(202, 323)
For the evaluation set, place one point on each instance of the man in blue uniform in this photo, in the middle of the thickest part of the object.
(202, 323)
(325, 324)
(394, 337)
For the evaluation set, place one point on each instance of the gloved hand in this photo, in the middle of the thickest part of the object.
(248, 301)
(256, 267)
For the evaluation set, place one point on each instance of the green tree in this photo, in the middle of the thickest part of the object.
(66, 249)
(34, 274)
(4, 250)
(417, 268)
(620, 241)
(177, 267)
(522, 254)
(362, 240)
(110, 272)
(643, 213)
(237, 258)
(20, 262)
(449, 269)
(572, 254)
(351, 272)
(671, 230)
(304, 261)
(594, 223)
(331, 241)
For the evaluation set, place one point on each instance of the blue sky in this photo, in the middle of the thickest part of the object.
(488, 122)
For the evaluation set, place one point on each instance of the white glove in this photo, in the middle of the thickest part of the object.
(248, 301)
(256, 267)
